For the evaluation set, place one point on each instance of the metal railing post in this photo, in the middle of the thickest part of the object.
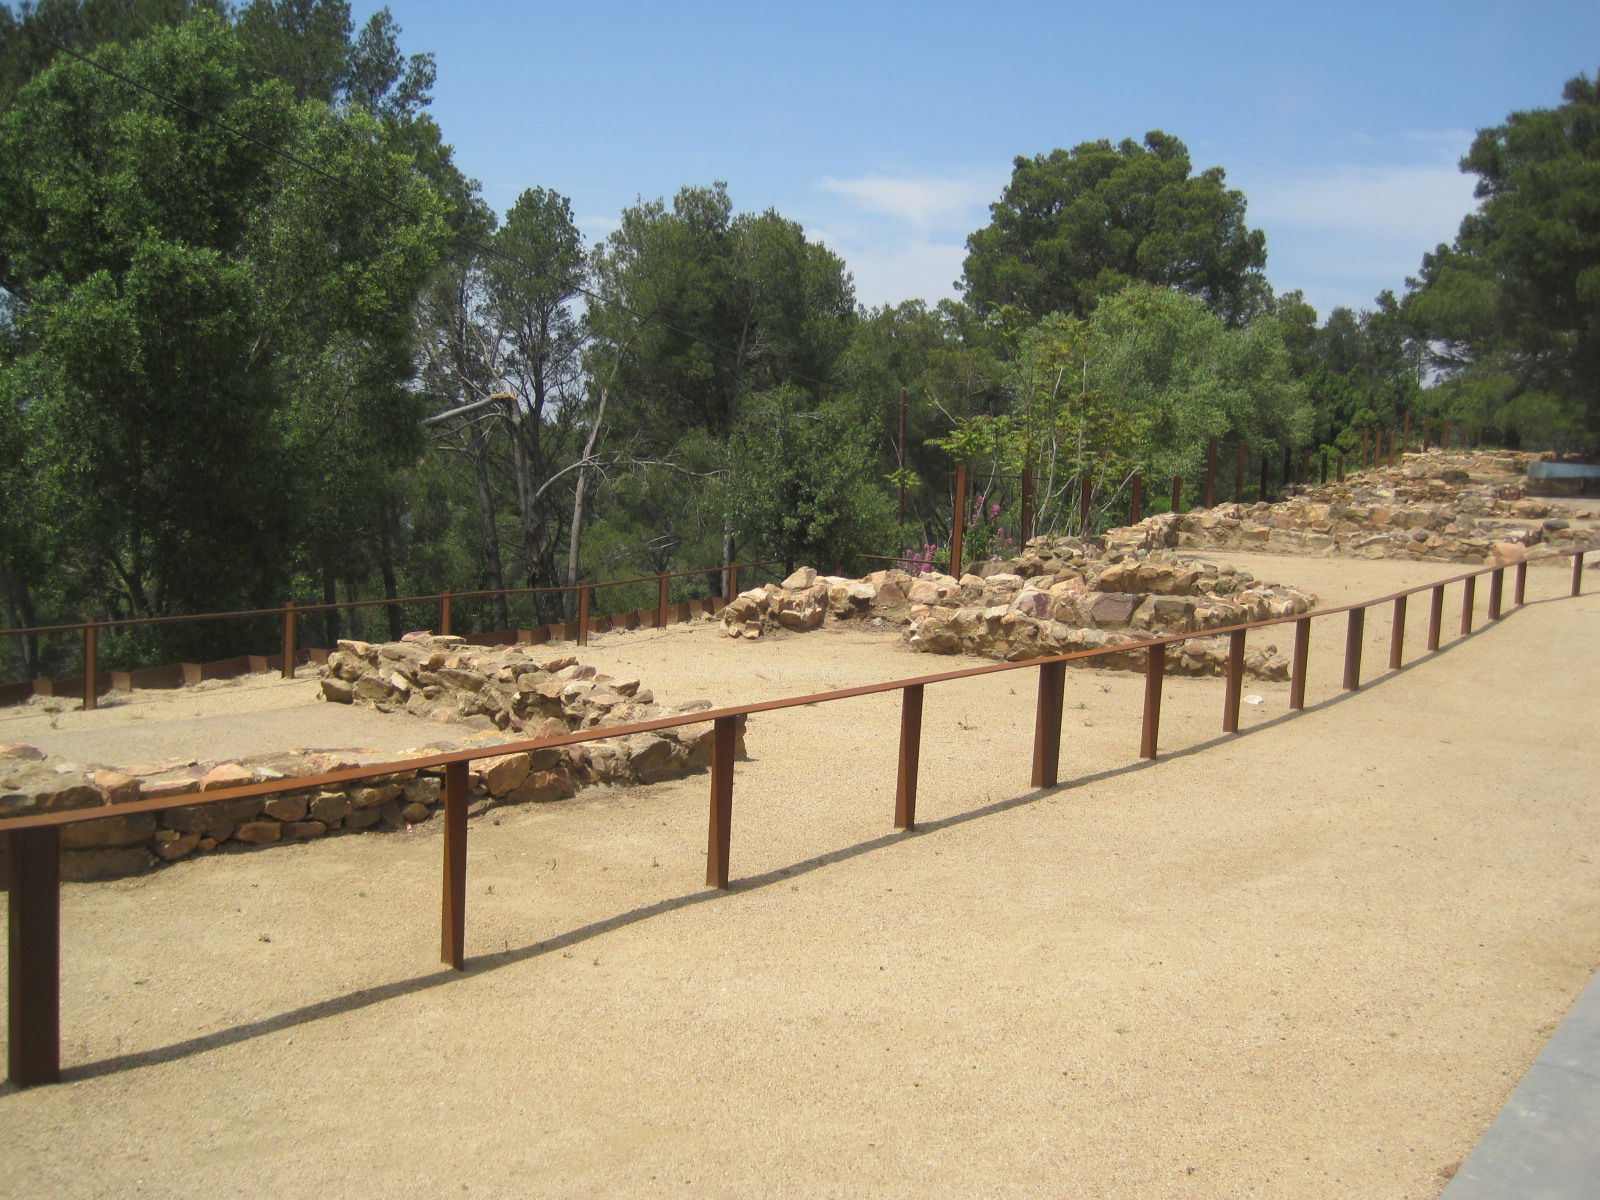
(720, 826)
(288, 640)
(1177, 492)
(1577, 573)
(1352, 648)
(1469, 596)
(444, 612)
(1520, 587)
(91, 662)
(905, 789)
(453, 919)
(1435, 617)
(1497, 583)
(662, 585)
(1397, 634)
(1235, 682)
(1047, 724)
(1297, 668)
(33, 1038)
(1155, 669)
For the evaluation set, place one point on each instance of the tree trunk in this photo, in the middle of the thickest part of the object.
(491, 531)
(330, 617)
(391, 589)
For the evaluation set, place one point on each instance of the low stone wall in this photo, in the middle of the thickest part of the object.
(1059, 597)
(1466, 507)
(548, 699)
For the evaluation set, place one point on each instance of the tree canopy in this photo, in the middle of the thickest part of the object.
(1510, 313)
(1073, 226)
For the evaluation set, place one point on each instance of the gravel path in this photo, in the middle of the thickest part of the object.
(1310, 961)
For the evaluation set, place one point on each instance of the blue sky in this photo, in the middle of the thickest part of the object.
(887, 129)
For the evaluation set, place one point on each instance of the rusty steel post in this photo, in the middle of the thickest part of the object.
(1155, 669)
(1047, 724)
(1469, 595)
(1235, 682)
(33, 1012)
(1577, 573)
(720, 826)
(1177, 493)
(91, 662)
(1497, 583)
(1297, 669)
(1435, 617)
(1211, 472)
(1397, 634)
(1136, 505)
(662, 586)
(453, 911)
(1520, 588)
(288, 640)
(905, 788)
(1085, 495)
(1027, 504)
(959, 525)
(1352, 648)
(445, 613)
(1239, 452)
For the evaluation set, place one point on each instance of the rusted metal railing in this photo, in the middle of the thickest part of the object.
(34, 841)
(289, 614)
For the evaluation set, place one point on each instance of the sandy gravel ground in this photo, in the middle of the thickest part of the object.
(1309, 961)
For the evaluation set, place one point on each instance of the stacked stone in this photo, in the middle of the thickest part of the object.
(1070, 602)
(1430, 508)
(561, 695)
(1060, 596)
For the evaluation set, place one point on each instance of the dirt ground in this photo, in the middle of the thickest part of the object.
(1308, 961)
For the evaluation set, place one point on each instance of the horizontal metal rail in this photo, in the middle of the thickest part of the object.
(112, 624)
(34, 840)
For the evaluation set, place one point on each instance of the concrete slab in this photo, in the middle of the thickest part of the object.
(1545, 1144)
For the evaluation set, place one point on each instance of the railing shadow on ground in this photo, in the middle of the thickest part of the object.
(34, 911)
(335, 1006)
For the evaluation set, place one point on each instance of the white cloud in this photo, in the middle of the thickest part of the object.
(1417, 205)
(922, 201)
(914, 270)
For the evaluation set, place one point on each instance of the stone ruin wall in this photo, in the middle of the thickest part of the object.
(1059, 597)
(1430, 507)
(502, 693)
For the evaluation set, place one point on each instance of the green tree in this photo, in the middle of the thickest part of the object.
(197, 324)
(695, 310)
(801, 482)
(1512, 309)
(1073, 226)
